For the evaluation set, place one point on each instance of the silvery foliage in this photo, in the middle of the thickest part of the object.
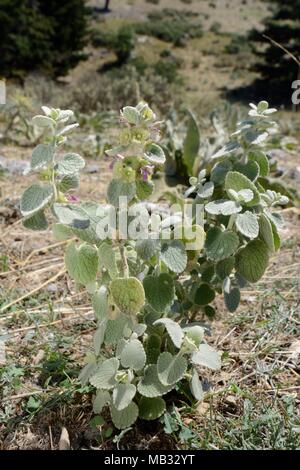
(146, 293)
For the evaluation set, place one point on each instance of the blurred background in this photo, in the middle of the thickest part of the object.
(96, 56)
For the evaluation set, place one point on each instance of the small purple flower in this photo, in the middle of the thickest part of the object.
(72, 198)
(146, 171)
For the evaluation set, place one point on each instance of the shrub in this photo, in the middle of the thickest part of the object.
(147, 290)
(171, 26)
(41, 36)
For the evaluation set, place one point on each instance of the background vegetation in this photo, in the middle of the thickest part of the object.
(208, 56)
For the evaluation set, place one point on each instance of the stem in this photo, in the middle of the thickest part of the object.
(124, 260)
(231, 221)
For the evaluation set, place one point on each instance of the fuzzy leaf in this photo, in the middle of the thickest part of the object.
(101, 399)
(174, 330)
(147, 248)
(171, 368)
(70, 164)
(119, 188)
(194, 332)
(155, 154)
(151, 408)
(131, 115)
(99, 336)
(128, 294)
(82, 263)
(232, 299)
(229, 148)
(204, 295)
(191, 143)
(37, 221)
(104, 377)
(247, 224)
(123, 394)
(266, 232)
(43, 121)
(224, 267)
(107, 259)
(125, 418)
(261, 159)
(68, 182)
(133, 355)
(35, 198)
(42, 155)
(100, 303)
(150, 385)
(237, 182)
(115, 329)
(207, 356)
(174, 256)
(252, 261)
(223, 206)
(220, 244)
(159, 291)
(196, 386)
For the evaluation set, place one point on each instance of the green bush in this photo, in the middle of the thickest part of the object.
(41, 36)
(171, 26)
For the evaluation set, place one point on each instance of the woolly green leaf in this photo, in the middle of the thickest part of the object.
(107, 259)
(174, 330)
(153, 346)
(128, 294)
(70, 164)
(43, 121)
(196, 386)
(151, 408)
(219, 172)
(147, 248)
(224, 267)
(123, 394)
(191, 143)
(229, 148)
(68, 182)
(174, 256)
(159, 291)
(71, 214)
(155, 154)
(42, 155)
(237, 182)
(171, 368)
(204, 295)
(223, 206)
(247, 224)
(133, 355)
(86, 373)
(82, 263)
(249, 169)
(220, 244)
(99, 336)
(104, 377)
(100, 303)
(195, 333)
(131, 115)
(207, 356)
(266, 232)
(119, 188)
(262, 160)
(252, 261)
(125, 418)
(115, 329)
(101, 399)
(35, 198)
(61, 232)
(150, 385)
(232, 299)
(37, 221)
